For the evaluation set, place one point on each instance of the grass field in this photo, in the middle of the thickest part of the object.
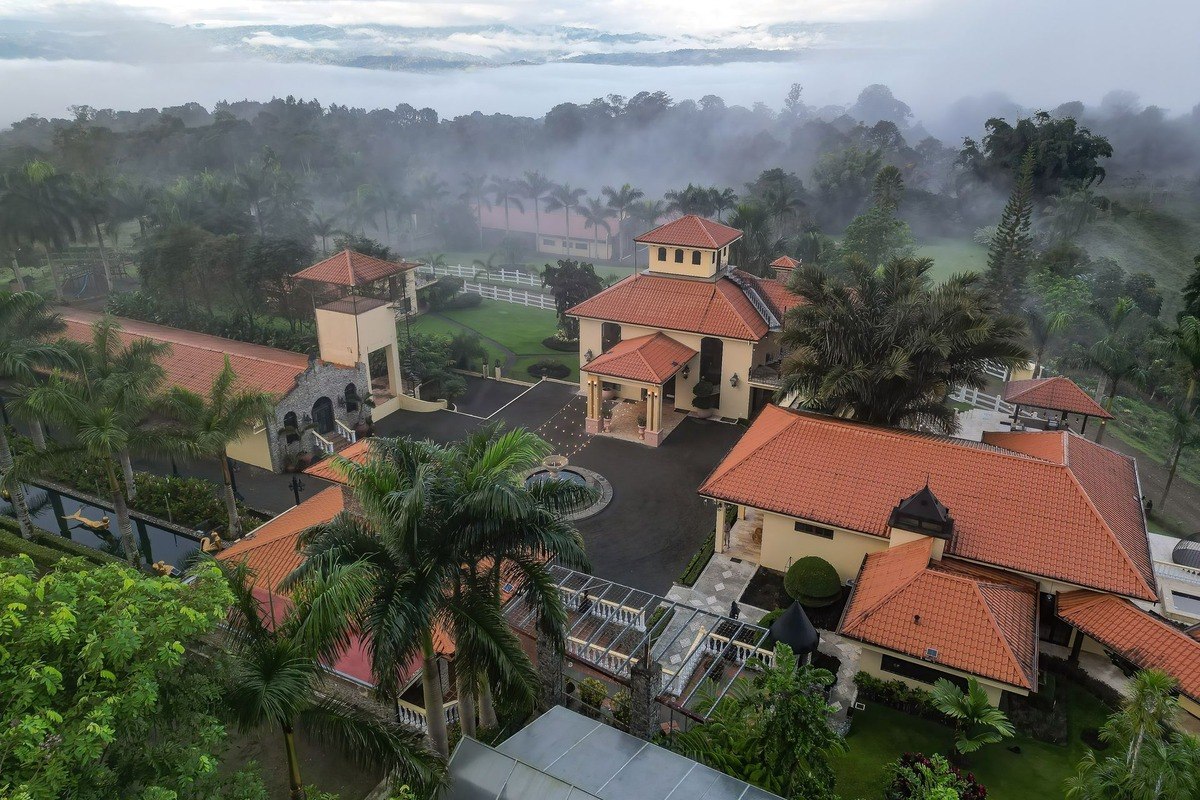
(951, 256)
(880, 735)
(505, 328)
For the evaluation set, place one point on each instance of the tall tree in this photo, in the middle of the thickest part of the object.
(646, 214)
(1185, 434)
(27, 330)
(427, 520)
(571, 282)
(1044, 325)
(878, 235)
(595, 216)
(39, 205)
(759, 245)
(564, 198)
(536, 185)
(1113, 356)
(506, 191)
(212, 423)
(619, 202)
(1010, 253)
(722, 200)
(902, 343)
(1185, 340)
(276, 676)
(323, 228)
(475, 192)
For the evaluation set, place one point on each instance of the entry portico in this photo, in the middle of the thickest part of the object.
(645, 363)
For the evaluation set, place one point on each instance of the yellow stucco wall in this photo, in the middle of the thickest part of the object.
(252, 448)
(736, 358)
(782, 544)
(348, 339)
(669, 266)
(871, 659)
(1190, 706)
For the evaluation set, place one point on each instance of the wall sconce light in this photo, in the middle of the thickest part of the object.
(735, 380)
(687, 368)
(587, 356)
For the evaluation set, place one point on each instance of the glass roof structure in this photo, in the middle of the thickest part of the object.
(610, 626)
(563, 755)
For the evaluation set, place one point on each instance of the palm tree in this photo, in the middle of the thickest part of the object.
(39, 205)
(212, 423)
(976, 721)
(26, 329)
(437, 527)
(505, 191)
(1185, 433)
(96, 206)
(1114, 357)
(475, 191)
(253, 186)
(646, 213)
(325, 227)
(782, 202)
(276, 678)
(104, 405)
(535, 186)
(620, 200)
(595, 216)
(690, 200)
(759, 245)
(1186, 344)
(722, 200)
(564, 198)
(1043, 327)
(901, 342)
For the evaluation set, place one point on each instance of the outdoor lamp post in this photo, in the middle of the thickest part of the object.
(297, 486)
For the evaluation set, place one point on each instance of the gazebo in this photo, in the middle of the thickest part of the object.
(1054, 394)
(641, 365)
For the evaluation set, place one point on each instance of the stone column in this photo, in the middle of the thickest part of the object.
(720, 529)
(550, 672)
(645, 678)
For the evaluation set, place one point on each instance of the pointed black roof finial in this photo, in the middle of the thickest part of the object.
(923, 513)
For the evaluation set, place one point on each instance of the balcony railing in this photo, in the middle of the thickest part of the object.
(416, 717)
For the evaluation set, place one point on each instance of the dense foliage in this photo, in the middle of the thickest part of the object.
(813, 581)
(916, 776)
(571, 282)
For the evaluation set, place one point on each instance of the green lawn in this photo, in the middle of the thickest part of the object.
(535, 262)
(880, 735)
(951, 256)
(518, 328)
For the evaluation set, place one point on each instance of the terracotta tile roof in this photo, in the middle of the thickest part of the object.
(1073, 521)
(691, 231)
(271, 549)
(1057, 394)
(325, 469)
(784, 264)
(649, 359)
(196, 359)
(351, 268)
(1046, 445)
(778, 296)
(353, 304)
(979, 621)
(710, 308)
(1148, 641)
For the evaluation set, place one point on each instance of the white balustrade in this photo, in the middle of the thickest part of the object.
(739, 651)
(416, 717)
(324, 445)
(605, 609)
(347, 432)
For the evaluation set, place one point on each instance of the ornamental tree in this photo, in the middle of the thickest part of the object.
(103, 696)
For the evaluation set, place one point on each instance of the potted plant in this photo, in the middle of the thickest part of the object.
(642, 425)
(702, 398)
(362, 414)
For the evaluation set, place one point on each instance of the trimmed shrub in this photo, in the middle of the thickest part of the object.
(703, 395)
(549, 368)
(770, 617)
(813, 581)
(561, 345)
(592, 693)
(463, 300)
(897, 695)
(698, 561)
(621, 708)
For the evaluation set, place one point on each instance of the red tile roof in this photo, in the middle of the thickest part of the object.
(1139, 636)
(326, 468)
(709, 308)
(649, 359)
(1057, 394)
(351, 268)
(784, 264)
(691, 231)
(979, 621)
(1077, 522)
(778, 296)
(196, 359)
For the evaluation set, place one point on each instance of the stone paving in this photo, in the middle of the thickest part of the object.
(720, 584)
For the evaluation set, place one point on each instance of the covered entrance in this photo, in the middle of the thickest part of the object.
(643, 368)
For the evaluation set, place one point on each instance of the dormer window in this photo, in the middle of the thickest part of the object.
(678, 255)
(922, 513)
(696, 257)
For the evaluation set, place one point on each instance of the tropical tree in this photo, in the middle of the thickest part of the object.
(782, 202)
(902, 343)
(1146, 757)
(689, 200)
(1010, 252)
(646, 214)
(619, 202)
(571, 282)
(535, 186)
(1113, 356)
(506, 191)
(595, 216)
(435, 529)
(27, 331)
(103, 404)
(759, 245)
(475, 189)
(1043, 326)
(722, 200)
(1185, 340)
(878, 235)
(1070, 212)
(211, 423)
(276, 678)
(324, 228)
(39, 205)
(97, 207)
(976, 721)
(1185, 434)
(564, 198)
(773, 732)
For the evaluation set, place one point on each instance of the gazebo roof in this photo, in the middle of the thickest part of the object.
(1056, 394)
(647, 359)
(351, 268)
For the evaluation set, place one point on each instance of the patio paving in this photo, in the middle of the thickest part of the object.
(721, 583)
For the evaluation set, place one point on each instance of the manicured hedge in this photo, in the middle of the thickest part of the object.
(549, 368)
(699, 561)
(561, 345)
(813, 581)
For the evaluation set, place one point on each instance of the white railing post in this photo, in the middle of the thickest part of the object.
(324, 444)
(347, 432)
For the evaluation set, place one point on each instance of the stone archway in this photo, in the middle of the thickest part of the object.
(322, 415)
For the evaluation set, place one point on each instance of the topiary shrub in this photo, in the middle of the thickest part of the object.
(561, 345)
(549, 368)
(704, 395)
(770, 617)
(813, 582)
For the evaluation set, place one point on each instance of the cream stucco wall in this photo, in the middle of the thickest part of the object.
(736, 358)
(782, 545)
(871, 661)
(253, 448)
(707, 267)
(569, 248)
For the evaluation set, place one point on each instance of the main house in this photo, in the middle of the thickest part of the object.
(965, 558)
(690, 316)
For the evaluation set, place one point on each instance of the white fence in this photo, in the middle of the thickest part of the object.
(507, 295)
(478, 273)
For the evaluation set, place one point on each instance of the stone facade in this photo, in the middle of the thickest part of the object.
(645, 678)
(321, 379)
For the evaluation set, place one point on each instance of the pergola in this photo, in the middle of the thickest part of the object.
(645, 362)
(1054, 394)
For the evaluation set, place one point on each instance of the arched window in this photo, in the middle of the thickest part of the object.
(662, 254)
(351, 396)
(678, 255)
(696, 257)
(291, 426)
(610, 336)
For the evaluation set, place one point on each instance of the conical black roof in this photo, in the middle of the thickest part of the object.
(794, 629)
(923, 513)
